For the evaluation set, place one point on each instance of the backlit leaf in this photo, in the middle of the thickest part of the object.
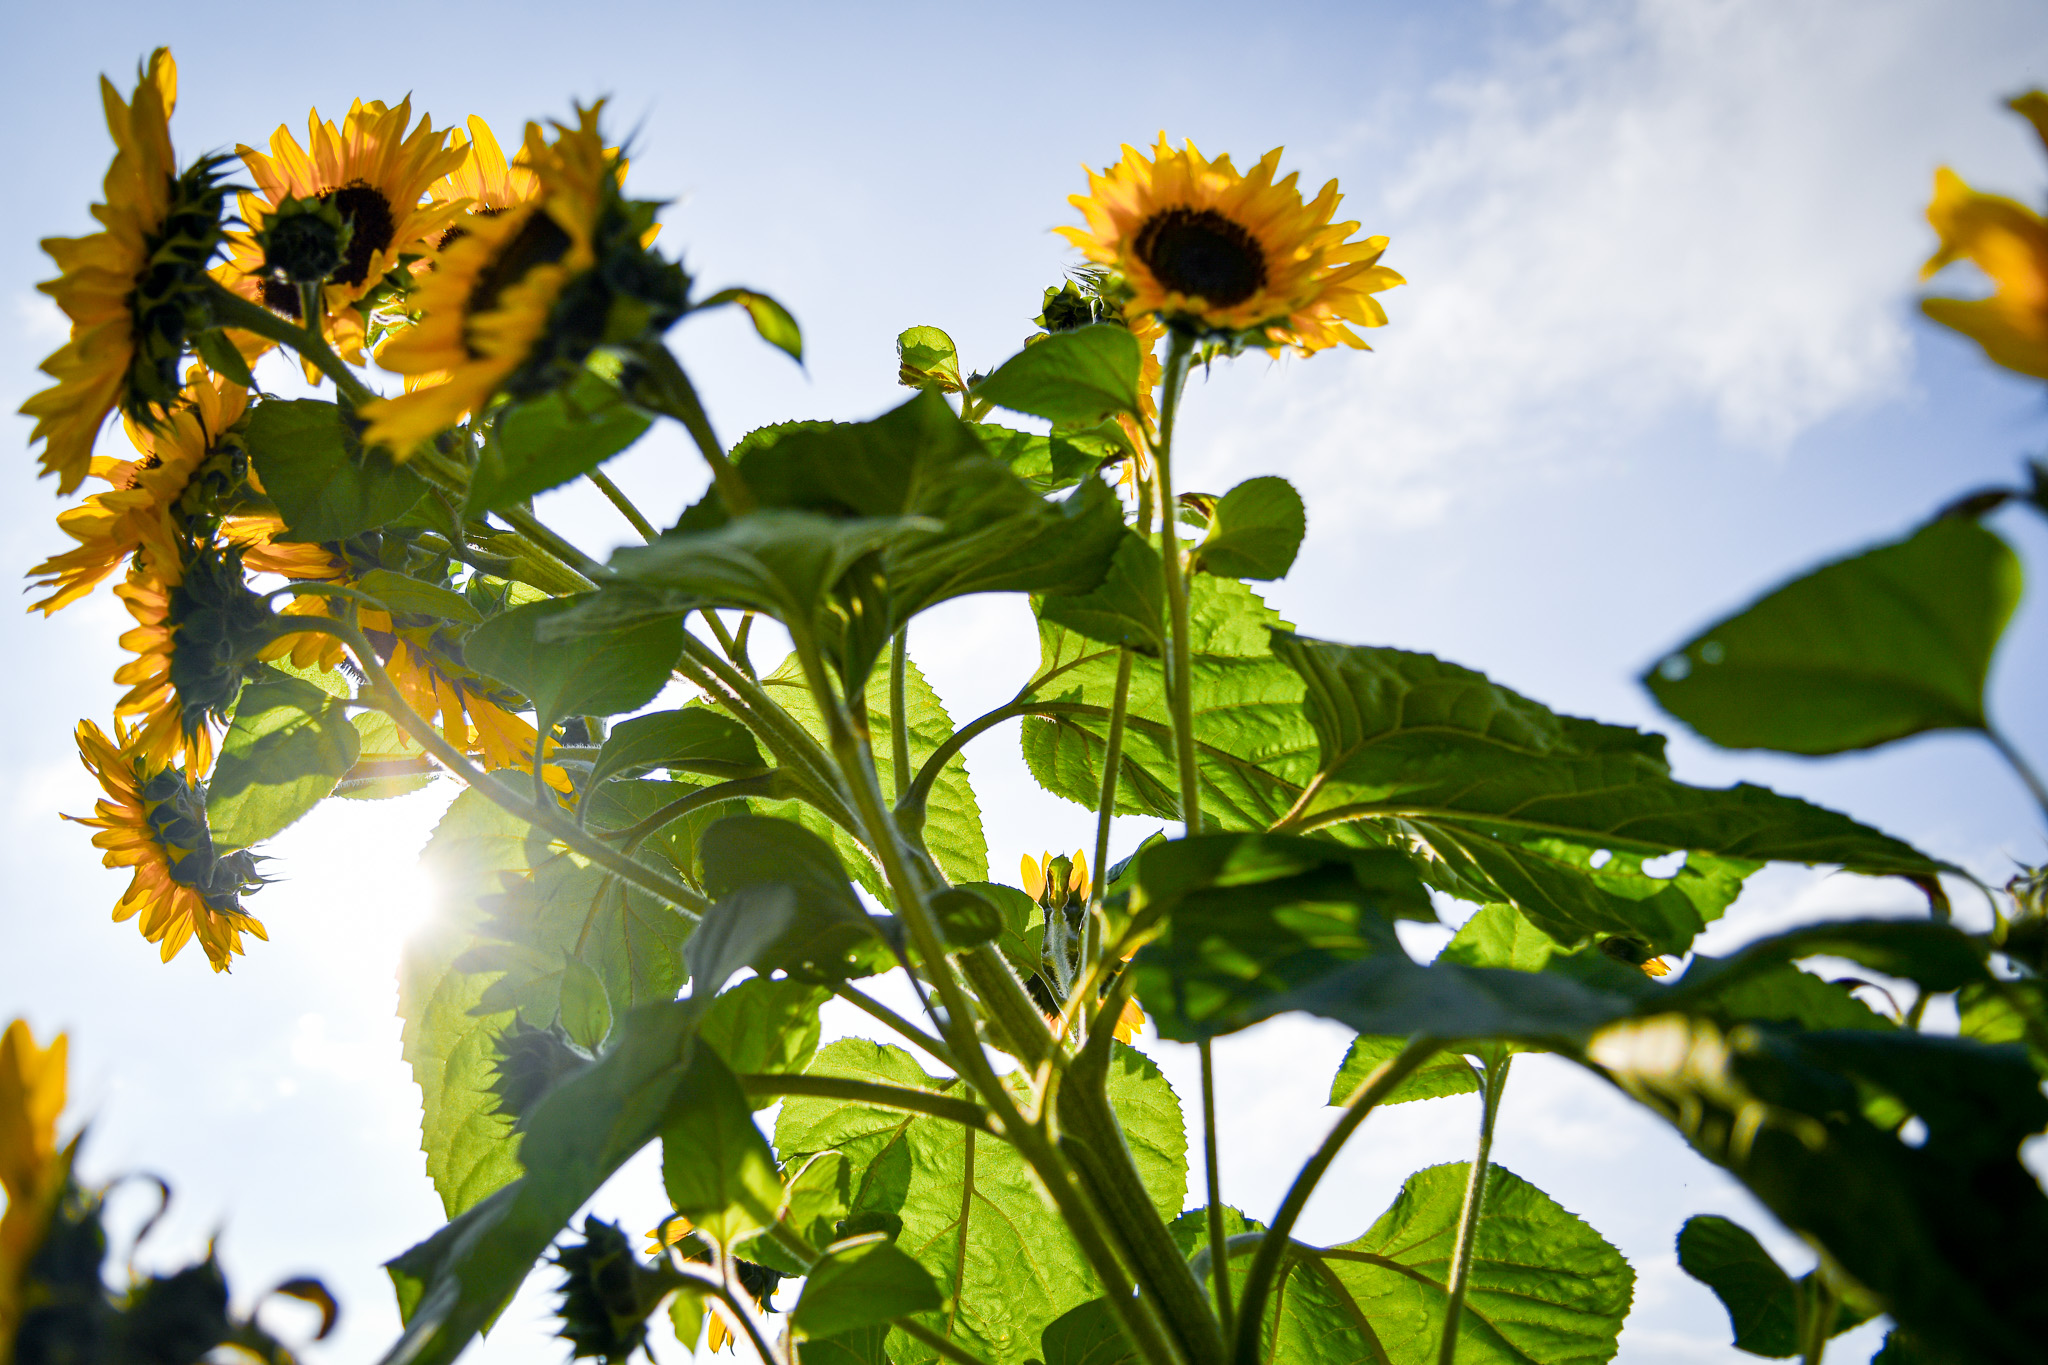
(314, 467)
(289, 744)
(543, 442)
(1075, 378)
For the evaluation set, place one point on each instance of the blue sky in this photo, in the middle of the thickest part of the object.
(1658, 350)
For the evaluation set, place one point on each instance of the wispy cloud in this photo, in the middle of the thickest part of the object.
(1652, 210)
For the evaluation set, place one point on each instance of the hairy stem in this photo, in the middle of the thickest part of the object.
(1179, 683)
(1212, 1163)
(762, 784)
(875, 1009)
(928, 772)
(232, 310)
(868, 1092)
(1105, 813)
(1258, 1283)
(899, 714)
(1495, 1081)
(625, 505)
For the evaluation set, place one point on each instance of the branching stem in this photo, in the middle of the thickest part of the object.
(1467, 1240)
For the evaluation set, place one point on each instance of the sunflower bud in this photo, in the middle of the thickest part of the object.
(304, 240)
(607, 1294)
(531, 1062)
(1067, 308)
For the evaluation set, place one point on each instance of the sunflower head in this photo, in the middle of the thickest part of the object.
(152, 820)
(519, 299)
(196, 642)
(2008, 242)
(33, 1167)
(304, 241)
(135, 292)
(1054, 880)
(1236, 259)
(607, 1294)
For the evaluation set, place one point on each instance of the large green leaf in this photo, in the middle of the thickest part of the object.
(289, 744)
(695, 740)
(765, 1026)
(829, 933)
(1128, 609)
(1074, 378)
(1948, 1233)
(453, 1284)
(1444, 1074)
(1762, 1303)
(517, 909)
(715, 1165)
(1544, 1288)
(940, 1190)
(863, 1285)
(1243, 918)
(1253, 742)
(1047, 463)
(952, 818)
(1517, 801)
(1863, 651)
(537, 444)
(597, 674)
(1255, 530)
(314, 467)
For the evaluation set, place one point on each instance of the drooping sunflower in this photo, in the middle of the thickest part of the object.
(32, 1167)
(135, 292)
(2008, 242)
(517, 300)
(195, 643)
(1231, 256)
(421, 654)
(150, 508)
(153, 820)
(376, 174)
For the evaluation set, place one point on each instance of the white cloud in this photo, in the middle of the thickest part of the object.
(1655, 209)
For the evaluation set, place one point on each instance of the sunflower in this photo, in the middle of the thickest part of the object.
(1229, 256)
(421, 655)
(2009, 243)
(32, 1167)
(135, 291)
(149, 510)
(757, 1282)
(376, 174)
(195, 642)
(484, 183)
(518, 299)
(1060, 886)
(153, 819)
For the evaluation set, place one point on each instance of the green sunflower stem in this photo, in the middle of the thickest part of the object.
(1495, 1081)
(1105, 813)
(1212, 1163)
(899, 716)
(673, 395)
(232, 310)
(618, 499)
(1180, 349)
(394, 704)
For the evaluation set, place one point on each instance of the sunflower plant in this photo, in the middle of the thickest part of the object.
(668, 854)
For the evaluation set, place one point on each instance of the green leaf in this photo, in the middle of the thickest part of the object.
(1047, 463)
(582, 1131)
(1129, 608)
(1543, 1286)
(289, 744)
(1022, 937)
(863, 1285)
(1072, 378)
(828, 932)
(1762, 1303)
(914, 1178)
(1191, 1229)
(314, 467)
(544, 442)
(952, 818)
(765, 1027)
(770, 319)
(1389, 995)
(1516, 801)
(1086, 1335)
(1889, 643)
(1246, 918)
(927, 359)
(1444, 1074)
(1253, 743)
(406, 595)
(1947, 1233)
(865, 1347)
(2006, 1012)
(595, 675)
(715, 1164)
(222, 357)
(1255, 531)
(966, 918)
(695, 740)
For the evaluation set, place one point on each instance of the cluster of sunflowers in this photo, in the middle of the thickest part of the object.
(480, 280)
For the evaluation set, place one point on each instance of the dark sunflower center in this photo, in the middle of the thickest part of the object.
(455, 234)
(539, 241)
(369, 214)
(1201, 253)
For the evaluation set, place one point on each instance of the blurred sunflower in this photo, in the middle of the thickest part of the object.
(757, 1282)
(373, 172)
(1232, 257)
(135, 292)
(149, 509)
(2009, 243)
(153, 819)
(195, 642)
(484, 184)
(32, 1167)
(422, 655)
